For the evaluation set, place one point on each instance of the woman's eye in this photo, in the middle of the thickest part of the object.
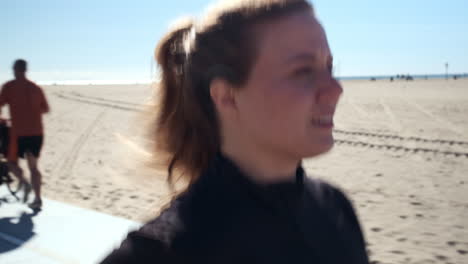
(303, 72)
(330, 68)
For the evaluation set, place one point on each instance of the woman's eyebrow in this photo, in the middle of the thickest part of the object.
(301, 57)
(309, 57)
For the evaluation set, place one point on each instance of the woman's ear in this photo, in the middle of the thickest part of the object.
(222, 94)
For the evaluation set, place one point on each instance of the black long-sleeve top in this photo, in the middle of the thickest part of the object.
(226, 218)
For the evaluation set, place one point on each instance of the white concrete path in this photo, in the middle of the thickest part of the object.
(59, 233)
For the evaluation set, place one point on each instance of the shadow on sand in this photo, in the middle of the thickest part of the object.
(15, 231)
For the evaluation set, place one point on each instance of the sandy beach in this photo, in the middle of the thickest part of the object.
(401, 155)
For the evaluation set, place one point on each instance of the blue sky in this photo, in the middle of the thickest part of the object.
(115, 40)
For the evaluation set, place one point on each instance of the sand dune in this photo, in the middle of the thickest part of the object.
(401, 154)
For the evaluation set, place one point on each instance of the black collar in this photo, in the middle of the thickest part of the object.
(227, 176)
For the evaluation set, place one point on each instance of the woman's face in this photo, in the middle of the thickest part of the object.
(287, 104)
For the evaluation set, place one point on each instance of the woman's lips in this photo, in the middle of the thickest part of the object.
(324, 121)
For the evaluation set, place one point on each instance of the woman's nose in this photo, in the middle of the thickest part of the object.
(330, 92)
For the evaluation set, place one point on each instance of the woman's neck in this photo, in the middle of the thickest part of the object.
(261, 167)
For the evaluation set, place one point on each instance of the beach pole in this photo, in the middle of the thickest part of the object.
(446, 70)
(151, 68)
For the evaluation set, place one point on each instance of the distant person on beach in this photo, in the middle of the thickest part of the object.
(27, 103)
(247, 92)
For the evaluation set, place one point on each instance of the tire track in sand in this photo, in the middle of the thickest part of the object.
(64, 167)
(394, 148)
(444, 123)
(102, 103)
(358, 109)
(402, 138)
(396, 125)
(103, 99)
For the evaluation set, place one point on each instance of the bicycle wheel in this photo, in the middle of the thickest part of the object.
(12, 183)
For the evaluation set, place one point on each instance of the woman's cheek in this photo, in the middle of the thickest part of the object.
(302, 91)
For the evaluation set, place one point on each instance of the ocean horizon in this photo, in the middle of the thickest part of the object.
(343, 78)
(414, 76)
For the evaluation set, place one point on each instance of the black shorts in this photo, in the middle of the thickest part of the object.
(32, 144)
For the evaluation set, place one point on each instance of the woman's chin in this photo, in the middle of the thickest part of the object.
(319, 148)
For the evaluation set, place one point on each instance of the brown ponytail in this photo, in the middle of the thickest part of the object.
(186, 129)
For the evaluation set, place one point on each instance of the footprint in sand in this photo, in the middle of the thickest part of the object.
(462, 252)
(429, 234)
(403, 239)
(378, 175)
(376, 229)
(403, 216)
(441, 257)
(452, 243)
(398, 252)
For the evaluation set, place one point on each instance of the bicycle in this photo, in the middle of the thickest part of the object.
(12, 183)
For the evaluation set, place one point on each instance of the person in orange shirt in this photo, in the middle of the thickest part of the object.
(27, 104)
